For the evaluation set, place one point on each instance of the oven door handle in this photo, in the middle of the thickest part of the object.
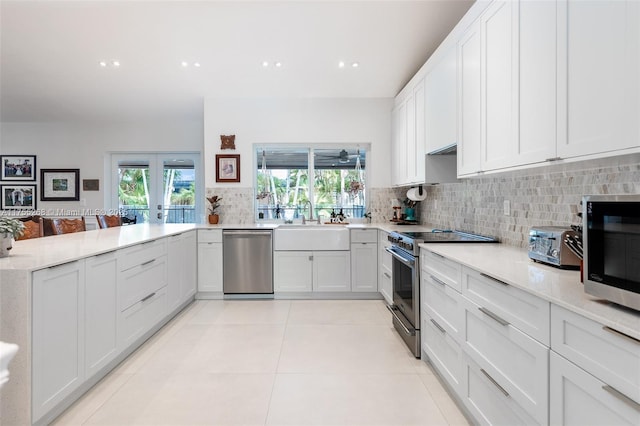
(395, 315)
(408, 262)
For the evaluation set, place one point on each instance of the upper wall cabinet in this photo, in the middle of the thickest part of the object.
(598, 81)
(408, 142)
(441, 102)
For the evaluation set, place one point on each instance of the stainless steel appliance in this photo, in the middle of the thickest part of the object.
(247, 262)
(405, 254)
(611, 234)
(546, 245)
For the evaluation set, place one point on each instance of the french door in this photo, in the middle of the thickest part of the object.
(157, 187)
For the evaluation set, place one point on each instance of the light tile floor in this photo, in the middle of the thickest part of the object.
(271, 362)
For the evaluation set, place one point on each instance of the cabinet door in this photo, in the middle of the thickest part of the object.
(399, 145)
(58, 335)
(415, 150)
(176, 258)
(364, 267)
(292, 271)
(600, 76)
(386, 284)
(101, 320)
(500, 94)
(331, 271)
(537, 74)
(469, 103)
(577, 398)
(210, 267)
(443, 351)
(189, 280)
(441, 103)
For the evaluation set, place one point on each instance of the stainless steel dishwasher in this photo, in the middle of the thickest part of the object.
(247, 261)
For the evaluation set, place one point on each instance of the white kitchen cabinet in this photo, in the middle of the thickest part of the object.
(442, 303)
(385, 278)
(364, 260)
(399, 145)
(599, 79)
(181, 268)
(441, 115)
(469, 101)
(443, 351)
(58, 335)
(306, 271)
(101, 312)
(578, 398)
(210, 260)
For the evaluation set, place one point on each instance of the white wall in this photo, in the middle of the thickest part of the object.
(84, 146)
(297, 121)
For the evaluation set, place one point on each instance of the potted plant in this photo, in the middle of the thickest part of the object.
(9, 229)
(214, 203)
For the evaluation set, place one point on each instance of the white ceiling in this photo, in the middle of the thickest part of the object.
(50, 53)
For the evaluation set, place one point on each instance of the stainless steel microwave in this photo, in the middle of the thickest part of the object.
(611, 233)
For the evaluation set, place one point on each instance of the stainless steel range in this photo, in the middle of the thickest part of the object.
(405, 252)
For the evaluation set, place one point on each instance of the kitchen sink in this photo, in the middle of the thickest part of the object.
(311, 237)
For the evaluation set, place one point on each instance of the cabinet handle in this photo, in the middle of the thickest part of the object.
(387, 275)
(436, 280)
(493, 279)
(148, 262)
(311, 258)
(437, 255)
(104, 254)
(492, 380)
(621, 334)
(438, 326)
(148, 297)
(493, 316)
(62, 265)
(554, 159)
(622, 397)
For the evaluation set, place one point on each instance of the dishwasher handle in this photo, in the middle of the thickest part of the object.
(246, 232)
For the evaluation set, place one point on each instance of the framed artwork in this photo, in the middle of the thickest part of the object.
(91, 184)
(18, 167)
(60, 184)
(18, 197)
(227, 168)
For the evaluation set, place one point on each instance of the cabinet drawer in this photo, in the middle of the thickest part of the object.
(525, 311)
(444, 304)
(578, 398)
(386, 284)
(141, 317)
(518, 363)
(487, 402)
(364, 235)
(137, 283)
(441, 268)
(209, 235)
(443, 351)
(141, 253)
(612, 358)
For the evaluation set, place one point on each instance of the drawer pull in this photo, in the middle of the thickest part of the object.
(436, 280)
(438, 326)
(621, 334)
(622, 397)
(148, 297)
(493, 279)
(492, 380)
(148, 262)
(493, 316)
(437, 255)
(386, 274)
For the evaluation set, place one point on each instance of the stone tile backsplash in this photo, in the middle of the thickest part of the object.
(547, 195)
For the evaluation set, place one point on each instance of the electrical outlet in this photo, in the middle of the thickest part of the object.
(507, 207)
(435, 204)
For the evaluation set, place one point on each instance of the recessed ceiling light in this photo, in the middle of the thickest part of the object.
(116, 63)
(265, 64)
(355, 65)
(196, 64)
(341, 64)
(184, 64)
(278, 64)
(103, 64)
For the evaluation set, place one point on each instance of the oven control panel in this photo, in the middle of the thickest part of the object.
(400, 242)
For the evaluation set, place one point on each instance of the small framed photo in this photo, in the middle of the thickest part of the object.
(91, 184)
(18, 197)
(18, 167)
(227, 168)
(60, 184)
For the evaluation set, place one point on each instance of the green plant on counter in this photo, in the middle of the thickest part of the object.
(214, 203)
(10, 226)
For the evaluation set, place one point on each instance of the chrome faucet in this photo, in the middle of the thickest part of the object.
(310, 211)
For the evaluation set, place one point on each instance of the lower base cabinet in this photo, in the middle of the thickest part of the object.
(578, 398)
(443, 351)
(136, 320)
(306, 271)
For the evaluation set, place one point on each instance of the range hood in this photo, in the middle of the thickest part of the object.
(445, 150)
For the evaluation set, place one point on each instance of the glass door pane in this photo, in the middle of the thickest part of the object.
(179, 191)
(134, 190)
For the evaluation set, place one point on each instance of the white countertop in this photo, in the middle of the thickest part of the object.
(561, 287)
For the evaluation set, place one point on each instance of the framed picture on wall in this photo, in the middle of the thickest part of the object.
(60, 184)
(227, 168)
(18, 167)
(18, 197)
